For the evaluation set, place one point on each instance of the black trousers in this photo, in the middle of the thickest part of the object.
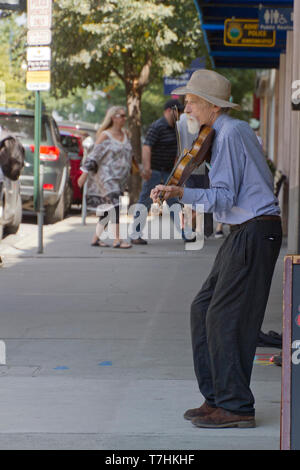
(227, 314)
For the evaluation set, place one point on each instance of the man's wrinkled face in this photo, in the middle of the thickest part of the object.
(198, 109)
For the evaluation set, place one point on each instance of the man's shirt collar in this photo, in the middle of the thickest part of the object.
(219, 121)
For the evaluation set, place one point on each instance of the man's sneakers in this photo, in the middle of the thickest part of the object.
(219, 234)
(212, 417)
(138, 241)
(188, 236)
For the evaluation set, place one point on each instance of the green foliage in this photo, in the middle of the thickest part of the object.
(122, 37)
(122, 46)
(86, 104)
(12, 77)
(242, 86)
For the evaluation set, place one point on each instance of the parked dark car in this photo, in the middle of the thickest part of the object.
(73, 144)
(53, 157)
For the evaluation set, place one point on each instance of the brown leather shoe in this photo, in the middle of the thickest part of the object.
(199, 412)
(221, 418)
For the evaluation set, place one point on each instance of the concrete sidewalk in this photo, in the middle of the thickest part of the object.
(98, 346)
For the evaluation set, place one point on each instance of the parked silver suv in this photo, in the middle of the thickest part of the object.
(10, 206)
(53, 157)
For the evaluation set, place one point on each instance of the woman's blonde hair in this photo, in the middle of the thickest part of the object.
(108, 122)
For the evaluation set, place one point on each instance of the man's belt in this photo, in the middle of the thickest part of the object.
(259, 217)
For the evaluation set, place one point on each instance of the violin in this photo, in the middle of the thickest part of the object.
(191, 159)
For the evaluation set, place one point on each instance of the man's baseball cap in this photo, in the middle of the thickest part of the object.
(173, 102)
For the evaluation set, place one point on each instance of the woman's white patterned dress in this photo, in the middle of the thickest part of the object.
(109, 165)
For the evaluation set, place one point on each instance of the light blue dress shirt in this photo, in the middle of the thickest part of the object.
(241, 184)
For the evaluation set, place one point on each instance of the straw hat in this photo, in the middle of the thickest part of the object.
(209, 85)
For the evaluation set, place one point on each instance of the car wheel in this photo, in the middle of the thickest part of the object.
(14, 226)
(58, 211)
(68, 197)
(55, 212)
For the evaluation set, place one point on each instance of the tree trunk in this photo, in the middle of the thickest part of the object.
(135, 85)
(134, 122)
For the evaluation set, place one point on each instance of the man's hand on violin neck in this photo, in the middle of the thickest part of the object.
(168, 192)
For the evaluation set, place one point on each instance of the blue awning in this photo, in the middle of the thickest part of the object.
(212, 16)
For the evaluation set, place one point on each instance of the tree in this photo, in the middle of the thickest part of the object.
(13, 91)
(242, 88)
(134, 40)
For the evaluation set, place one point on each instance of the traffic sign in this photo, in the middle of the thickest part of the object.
(271, 19)
(39, 37)
(245, 33)
(38, 53)
(39, 15)
(38, 58)
(38, 65)
(38, 80)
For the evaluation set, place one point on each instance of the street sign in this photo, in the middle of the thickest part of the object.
(279, 19)
(38, 65)
(38, 58)
(38, 53)
(39, 15)
(38, 80)
(245, 33)
(170, 83)
(39, 20)
(39, 37)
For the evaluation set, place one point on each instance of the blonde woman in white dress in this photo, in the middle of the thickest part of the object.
(107, 170)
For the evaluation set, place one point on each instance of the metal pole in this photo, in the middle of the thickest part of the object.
(37, 189)
(83, 208)
(84, 189)
(41, 212)
(37, 143)
(88, 144)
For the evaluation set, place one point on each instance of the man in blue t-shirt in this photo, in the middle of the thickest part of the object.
(158, 158)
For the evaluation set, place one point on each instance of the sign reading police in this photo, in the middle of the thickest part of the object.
(245, 33)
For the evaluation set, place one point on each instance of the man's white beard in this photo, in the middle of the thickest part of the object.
(192, 125)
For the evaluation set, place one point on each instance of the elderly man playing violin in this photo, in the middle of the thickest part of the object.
(228, 311)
